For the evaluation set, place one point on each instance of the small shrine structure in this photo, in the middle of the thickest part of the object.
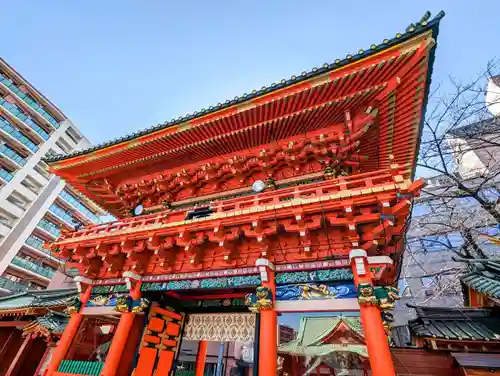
(326, 345)
(291, 198)
(470, 335)
(482, 283)
(31, 323)
(467, 340)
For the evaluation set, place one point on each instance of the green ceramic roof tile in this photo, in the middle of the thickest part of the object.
(37, 299)
(425, 24)
(55, 322)
(312, 331)
(320, 350)
(456, 324)
(16, 302)
(484, 277)
(483, 284)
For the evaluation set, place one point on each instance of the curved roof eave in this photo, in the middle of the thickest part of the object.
(413, 29)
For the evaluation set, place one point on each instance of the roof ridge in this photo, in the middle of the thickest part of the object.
(446, 308)
(51, 312)
(425, 23)
(7, 297)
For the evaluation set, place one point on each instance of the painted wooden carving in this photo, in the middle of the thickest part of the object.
(261, 299)
(310, 291)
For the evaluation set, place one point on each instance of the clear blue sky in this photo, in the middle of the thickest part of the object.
(118, 66)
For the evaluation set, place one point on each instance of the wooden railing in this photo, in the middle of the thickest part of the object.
(354, 182)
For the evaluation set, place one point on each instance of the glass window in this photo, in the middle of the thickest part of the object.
(490, 194)
(428, 282)
(6, 126)
(490, 231)
(414, 244)
(28, 99)
(49, 226)
(465, 201)
(75, 202)
(16, 111)
(455, 239)
(36, 242)
(6, 175)
(12, 154)
(435, 243)
(404, 287)
(421, 209)
(60, 212)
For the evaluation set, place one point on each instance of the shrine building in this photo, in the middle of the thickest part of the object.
(291, 198)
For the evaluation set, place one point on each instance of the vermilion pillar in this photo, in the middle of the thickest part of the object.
(268, 351)
(118, 344)
(69, 333)
(201, 358)
(376, 340)
(124, 328)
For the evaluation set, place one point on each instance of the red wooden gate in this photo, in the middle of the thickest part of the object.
(160, 342)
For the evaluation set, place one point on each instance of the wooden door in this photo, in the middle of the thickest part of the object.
(160, 342)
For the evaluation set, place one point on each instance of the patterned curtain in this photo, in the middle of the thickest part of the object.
(220, 327)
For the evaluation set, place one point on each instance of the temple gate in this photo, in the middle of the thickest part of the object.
(291, 194)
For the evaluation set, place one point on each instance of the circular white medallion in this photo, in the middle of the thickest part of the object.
(138, 210)
(258, 186)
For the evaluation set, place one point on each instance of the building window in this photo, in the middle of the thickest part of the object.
(41, 170)
(434, 243)
(404, 287)
(428, 281)
(456, 240)
(490, 194)
(465, 201)
(72, 135)
(490, 231)
(421, 209)
(12, 277)
(429, 284)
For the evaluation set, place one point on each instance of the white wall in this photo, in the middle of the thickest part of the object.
(493, 98)
(468, 163)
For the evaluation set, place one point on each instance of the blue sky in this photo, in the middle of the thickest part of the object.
(118, 66)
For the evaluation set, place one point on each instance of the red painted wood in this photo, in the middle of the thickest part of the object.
(165, 361)
(151, 362)
(166, 313)
(22, 353)
(33, 358)
(7, 336)
(15, 324)
(309, 106)
(146, 362)
(10, 351)
(128, 356)
(309, 232)
(422, 362)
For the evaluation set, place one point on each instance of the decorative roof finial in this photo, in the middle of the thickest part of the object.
(425, 17)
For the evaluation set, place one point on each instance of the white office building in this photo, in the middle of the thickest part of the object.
(34, 205)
